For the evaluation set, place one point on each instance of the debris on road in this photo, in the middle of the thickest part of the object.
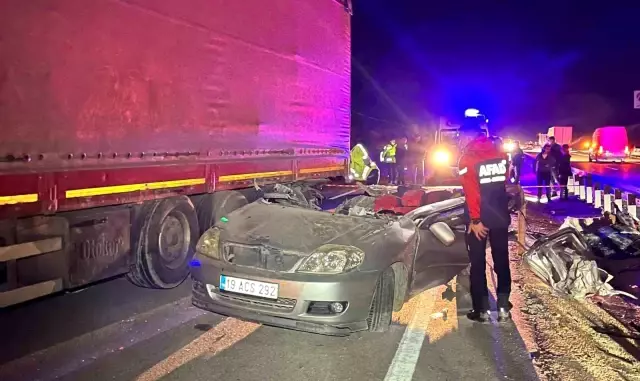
(592, 338)
(440, 314)
(563, 261)
(614, 240)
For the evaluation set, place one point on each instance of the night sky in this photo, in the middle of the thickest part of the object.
(527, 67)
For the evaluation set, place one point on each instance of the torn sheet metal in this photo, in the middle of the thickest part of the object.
(564, 262)
(301, 194)
(614, 240)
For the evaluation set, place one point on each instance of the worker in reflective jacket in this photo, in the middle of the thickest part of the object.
(361, 166)
(388, 156)
(483, 170)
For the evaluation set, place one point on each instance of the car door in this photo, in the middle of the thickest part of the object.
(436, 264)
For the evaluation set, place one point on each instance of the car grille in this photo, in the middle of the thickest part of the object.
(258, 257)
(279, 305)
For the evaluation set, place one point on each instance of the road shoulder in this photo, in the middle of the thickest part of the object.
(574, 339)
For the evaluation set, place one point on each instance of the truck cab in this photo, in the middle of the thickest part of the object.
(444, 157)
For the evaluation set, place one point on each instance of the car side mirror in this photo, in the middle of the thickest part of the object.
(443, 233)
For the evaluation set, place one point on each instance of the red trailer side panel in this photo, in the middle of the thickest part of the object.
(118, 76)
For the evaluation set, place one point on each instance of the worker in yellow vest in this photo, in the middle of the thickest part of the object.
(361, 167)
(388, 157)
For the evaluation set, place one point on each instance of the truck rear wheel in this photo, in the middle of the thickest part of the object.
(214, 206)
(166, 235)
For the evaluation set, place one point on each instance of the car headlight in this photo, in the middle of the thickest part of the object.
(209, 243)
(442, 157)
(508, 146)
(332, 259)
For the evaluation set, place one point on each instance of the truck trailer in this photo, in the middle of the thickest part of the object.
(130, 126)
(563, 134)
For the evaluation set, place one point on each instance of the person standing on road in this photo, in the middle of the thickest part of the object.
(402, 156)
(517, 157)
(556, 152)
(564, 171)
(483, 169)
(388, 157)
(417, 151)
(545, 165)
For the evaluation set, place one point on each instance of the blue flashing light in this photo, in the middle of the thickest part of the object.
(471, 113)
(194, 263)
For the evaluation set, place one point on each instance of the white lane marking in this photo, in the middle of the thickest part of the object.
(613, 168)
(70, 356)
(406, 358)
(214, 341)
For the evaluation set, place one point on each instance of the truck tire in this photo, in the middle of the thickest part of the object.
(166, 235)
(381, 310)
(211, 207)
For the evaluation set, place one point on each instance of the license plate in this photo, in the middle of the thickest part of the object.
(249, 287)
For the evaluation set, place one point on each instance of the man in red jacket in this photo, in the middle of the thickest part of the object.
(483, 170)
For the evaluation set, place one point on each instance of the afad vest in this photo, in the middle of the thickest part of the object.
(494, 201)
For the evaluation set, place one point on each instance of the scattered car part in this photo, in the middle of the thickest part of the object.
(564, 262)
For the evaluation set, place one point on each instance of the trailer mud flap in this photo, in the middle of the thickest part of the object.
(99, 245)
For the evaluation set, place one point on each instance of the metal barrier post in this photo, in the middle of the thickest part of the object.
(618, 198)
(571, 184)
(608, 199)
(576, 185)
(589, 189)
(597, 196)
(631, 205)
(583, 188)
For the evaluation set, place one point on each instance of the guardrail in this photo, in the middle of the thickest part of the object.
(603, 196)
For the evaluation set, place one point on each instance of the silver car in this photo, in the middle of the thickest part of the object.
(327, 273)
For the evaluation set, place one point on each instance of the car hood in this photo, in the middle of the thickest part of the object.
(304, 230)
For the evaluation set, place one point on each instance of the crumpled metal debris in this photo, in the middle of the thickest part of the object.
(614, 240)
(614, 236)
(357, 206)
(563, 264)
(301, 194)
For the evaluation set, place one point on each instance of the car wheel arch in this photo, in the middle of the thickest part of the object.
(401, 284)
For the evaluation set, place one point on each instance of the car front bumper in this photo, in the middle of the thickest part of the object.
(297, 293)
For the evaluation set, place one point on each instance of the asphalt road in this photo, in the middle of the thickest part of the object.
(116, 331)
(625, 176)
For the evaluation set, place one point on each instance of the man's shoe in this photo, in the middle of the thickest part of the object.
(478, 316)
(504, 315)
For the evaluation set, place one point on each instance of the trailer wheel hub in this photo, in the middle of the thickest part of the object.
(174, 239)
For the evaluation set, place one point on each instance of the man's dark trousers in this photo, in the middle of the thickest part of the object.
(499, 241)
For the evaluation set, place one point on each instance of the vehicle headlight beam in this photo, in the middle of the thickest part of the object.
(442, 157)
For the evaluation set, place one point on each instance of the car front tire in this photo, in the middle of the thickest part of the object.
(381, 310)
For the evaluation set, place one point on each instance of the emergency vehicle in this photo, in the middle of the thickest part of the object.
(443, 158)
